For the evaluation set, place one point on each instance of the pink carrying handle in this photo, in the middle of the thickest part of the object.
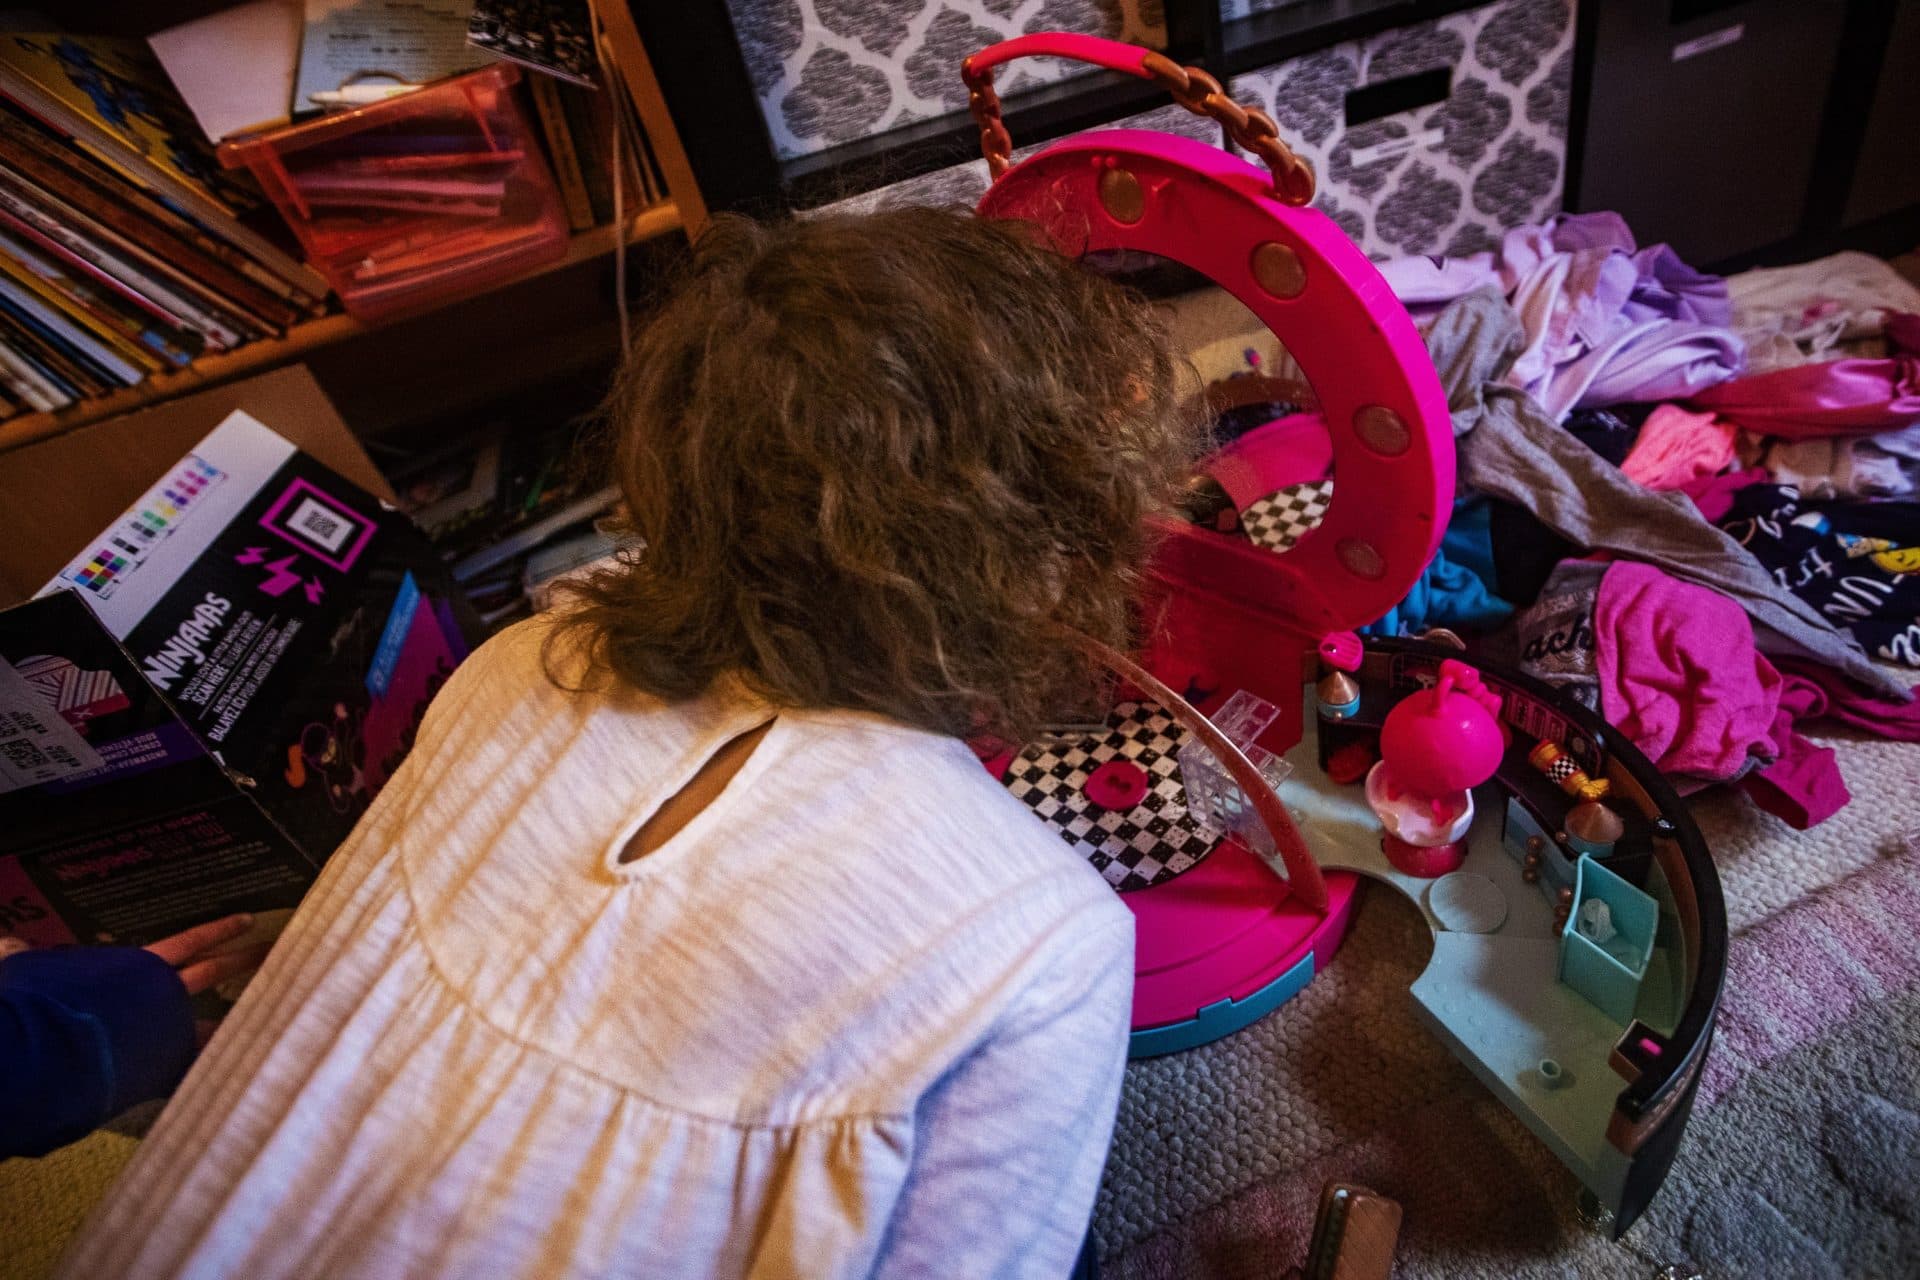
(1111, 54)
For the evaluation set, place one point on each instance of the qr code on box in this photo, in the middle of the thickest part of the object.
(318, 523)
(322, 524)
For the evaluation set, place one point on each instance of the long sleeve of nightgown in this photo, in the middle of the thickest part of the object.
(1010, 1146)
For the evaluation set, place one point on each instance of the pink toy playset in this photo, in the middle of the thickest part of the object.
(1565, 966)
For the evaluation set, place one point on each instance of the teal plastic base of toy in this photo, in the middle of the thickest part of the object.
(1222, 1018)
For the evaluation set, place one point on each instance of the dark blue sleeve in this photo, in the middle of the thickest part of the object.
(85, 1032)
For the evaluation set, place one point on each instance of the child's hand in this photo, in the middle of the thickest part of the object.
(195, 953)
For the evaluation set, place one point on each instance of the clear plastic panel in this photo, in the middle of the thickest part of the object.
(1215, 801)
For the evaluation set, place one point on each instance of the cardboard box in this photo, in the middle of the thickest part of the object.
(204, 699)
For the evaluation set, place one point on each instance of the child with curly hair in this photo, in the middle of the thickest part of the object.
(692, 939)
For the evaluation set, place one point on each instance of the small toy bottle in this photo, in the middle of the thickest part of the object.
(1337, 696)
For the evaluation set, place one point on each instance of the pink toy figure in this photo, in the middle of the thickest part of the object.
(1435, 747)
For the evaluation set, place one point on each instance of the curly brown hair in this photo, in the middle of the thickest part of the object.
(880, 462)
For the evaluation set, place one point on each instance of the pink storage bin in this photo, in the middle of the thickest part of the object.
(424, 197)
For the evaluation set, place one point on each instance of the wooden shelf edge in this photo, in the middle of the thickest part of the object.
(655, 220)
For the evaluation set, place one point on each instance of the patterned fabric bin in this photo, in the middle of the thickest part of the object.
(1448, 177)
(831, 71)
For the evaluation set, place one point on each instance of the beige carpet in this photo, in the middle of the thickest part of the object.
(43, 1201)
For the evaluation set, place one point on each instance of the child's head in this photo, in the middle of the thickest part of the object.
(879, 462)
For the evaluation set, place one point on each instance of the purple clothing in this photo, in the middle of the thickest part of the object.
(1606, 322)
(1839, 397)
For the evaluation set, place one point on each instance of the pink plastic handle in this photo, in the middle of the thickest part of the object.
(1111, 54)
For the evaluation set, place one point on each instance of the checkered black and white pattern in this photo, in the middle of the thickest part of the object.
(1156, 839)
(1284, 517)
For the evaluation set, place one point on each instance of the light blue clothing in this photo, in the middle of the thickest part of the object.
(1455, 591)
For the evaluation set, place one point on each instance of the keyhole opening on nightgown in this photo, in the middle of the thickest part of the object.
(699, 792)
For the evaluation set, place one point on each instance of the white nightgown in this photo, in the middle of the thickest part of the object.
(862, 1015)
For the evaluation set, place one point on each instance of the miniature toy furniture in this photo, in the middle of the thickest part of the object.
(1239, 898)
(1607, 941)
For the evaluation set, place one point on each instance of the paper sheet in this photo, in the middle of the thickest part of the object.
(235, 68)
(373, 42)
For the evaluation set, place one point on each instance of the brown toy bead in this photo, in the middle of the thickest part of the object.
(1535, 844)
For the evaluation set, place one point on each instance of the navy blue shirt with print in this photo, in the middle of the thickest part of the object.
(1858, 563)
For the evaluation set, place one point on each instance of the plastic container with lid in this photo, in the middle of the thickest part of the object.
(415, 199)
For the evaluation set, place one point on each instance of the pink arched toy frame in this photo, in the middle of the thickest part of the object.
(1228, 615)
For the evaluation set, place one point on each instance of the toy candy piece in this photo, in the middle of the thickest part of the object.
(1350, 763)
(1337, 696)
(1117, 784)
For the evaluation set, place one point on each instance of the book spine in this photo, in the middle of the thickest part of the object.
(61, 365)
(27, 383)
(566, 165)
(80, 305)
(190, 315)
(86, 270)
(177, 270)
(590, 147)
(645, 169)
(82, 342)
(105, 211)
(112, 152)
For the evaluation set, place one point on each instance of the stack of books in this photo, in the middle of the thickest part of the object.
(581, 123)
(512, 510)
(125, 250)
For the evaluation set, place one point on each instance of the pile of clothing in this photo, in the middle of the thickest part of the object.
(1692, 502)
